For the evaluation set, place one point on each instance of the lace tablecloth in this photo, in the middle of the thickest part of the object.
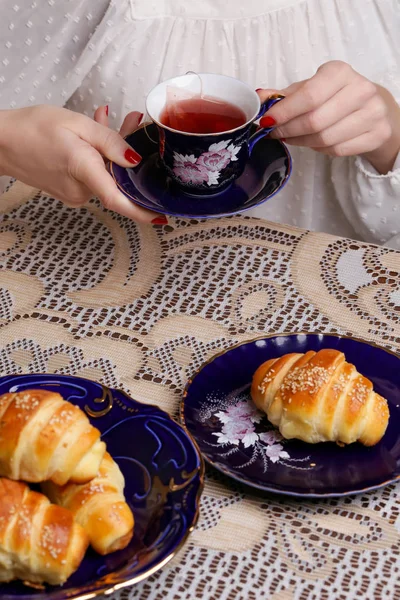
(87, 292)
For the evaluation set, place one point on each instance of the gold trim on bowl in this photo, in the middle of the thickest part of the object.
(111, 582)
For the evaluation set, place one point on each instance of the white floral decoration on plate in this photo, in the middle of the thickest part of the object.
(244, 426)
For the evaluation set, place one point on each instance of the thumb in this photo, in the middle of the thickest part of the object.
(109, 144)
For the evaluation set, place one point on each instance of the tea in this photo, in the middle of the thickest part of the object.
(202, 115)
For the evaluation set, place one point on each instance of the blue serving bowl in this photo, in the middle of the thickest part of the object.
(164, 475)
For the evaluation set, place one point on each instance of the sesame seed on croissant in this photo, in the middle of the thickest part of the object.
(319, 397)
(39, 542)
(43, 437)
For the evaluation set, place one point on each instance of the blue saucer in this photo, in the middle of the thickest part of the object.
(148, 185)
(238, 440)
(163, 473)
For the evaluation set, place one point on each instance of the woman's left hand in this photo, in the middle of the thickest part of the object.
(340, 113)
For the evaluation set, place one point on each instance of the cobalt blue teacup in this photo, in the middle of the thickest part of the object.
(206, 164)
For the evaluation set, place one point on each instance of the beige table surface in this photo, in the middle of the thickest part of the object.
(87, 292)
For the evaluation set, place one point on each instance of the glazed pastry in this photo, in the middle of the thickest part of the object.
(39, 542)
(319, 397)
(99, 506)
(43, 437)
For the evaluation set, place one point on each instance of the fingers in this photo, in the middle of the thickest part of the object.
(293, 87)
(265, 94)
(345, 130)
(312, 93)
(101, 115)
(76, 196)
(342, 104)
(106, 141)
(337, 112)
(360, 145)
(131, 123)
(103, 186)
(87, 168)
(118, 203)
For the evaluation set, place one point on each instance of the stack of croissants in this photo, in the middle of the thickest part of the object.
(44, 534)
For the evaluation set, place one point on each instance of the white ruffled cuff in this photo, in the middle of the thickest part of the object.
(369, 171)
(370, 201)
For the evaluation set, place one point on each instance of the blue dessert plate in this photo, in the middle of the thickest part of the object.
(148, 184)
(163, 473)
(237, 439)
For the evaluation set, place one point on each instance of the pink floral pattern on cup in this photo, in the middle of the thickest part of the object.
(190, 172)
(208, 166)
(215, 161)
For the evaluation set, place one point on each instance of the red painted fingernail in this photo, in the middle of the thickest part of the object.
(160, 220)
(106, 108)
(283, 139)
(140, 118)
(259, 90)
(133, 157)
(267, 121)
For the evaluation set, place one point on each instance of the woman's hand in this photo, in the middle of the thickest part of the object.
(338, 112)
(62, 152)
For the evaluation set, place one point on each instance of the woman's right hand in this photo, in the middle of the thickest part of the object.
(62, 153)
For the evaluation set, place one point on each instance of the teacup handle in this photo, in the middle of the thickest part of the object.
(260, 133)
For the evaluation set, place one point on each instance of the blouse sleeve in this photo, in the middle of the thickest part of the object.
(370, 201)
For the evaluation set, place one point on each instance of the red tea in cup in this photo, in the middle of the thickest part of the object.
(202, 114)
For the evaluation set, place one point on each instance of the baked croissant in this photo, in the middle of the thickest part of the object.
(319, 397)
(99, 506)
(39, 542)
(44, 437)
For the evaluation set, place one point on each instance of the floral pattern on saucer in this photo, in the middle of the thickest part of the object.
(243, 427)
(208, 166)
